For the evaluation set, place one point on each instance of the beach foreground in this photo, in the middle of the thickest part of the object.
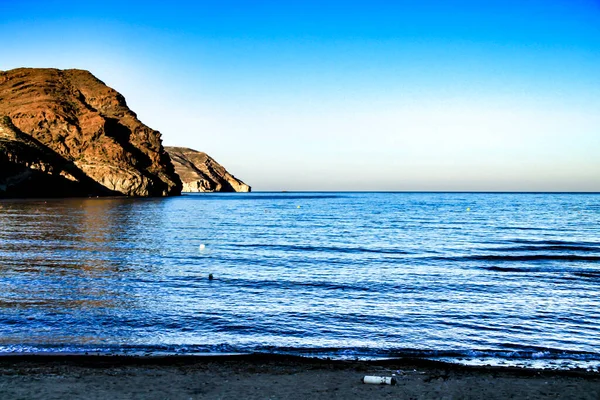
(276, 377)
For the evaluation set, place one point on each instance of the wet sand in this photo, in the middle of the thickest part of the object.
(276, 377)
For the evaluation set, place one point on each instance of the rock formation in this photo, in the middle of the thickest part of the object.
(64, 132)
(200, 173)
(30, 169)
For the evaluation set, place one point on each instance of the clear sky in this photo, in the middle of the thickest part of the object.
(345, 95)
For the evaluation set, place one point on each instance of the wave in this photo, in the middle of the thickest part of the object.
(531, 257)
(555, 242)
(587, 274)
(333, 249)
(286, 284)
(549, 250)
(526, 353)
(576, 274)
(547, 247)
(521, 228)
(511, 269)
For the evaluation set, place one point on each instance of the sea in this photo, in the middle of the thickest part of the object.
(507, 279)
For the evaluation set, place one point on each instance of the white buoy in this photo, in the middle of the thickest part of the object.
(202, 247)
(379, 380)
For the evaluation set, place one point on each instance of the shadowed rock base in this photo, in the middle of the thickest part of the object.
(30, 169)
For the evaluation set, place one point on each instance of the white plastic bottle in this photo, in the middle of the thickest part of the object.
(379, 380)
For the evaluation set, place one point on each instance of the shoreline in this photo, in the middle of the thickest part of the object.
(101, 359)
(262, 376)
(142, 356)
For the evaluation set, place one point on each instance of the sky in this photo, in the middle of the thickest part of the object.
(345, 95)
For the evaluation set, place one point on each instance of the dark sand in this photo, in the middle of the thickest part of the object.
(276, 377)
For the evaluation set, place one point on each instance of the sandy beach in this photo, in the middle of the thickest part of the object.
(276, 377)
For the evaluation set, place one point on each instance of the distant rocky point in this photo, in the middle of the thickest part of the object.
(65, 133)
(200, 173)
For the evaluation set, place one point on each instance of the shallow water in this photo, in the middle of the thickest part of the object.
(508, 279)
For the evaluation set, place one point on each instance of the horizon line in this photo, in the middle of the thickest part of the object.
(406, 191)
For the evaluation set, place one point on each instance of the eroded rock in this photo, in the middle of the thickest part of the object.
(67, 125)
(201, 173)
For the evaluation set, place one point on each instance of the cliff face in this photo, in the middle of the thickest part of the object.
(200, 173)
(68, 131)
(30, 169)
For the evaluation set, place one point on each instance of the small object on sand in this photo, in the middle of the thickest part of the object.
(379, 380)
(210, 277)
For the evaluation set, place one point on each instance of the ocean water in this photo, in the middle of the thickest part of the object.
(502, 279)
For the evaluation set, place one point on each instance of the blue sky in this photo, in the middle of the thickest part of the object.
(332, 95)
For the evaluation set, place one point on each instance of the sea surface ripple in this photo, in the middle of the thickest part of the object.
(480, 278)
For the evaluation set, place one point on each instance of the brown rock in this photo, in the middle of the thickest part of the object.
(73, 124)
(30, 169)
(200, 173)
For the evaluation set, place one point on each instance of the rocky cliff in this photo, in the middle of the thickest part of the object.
(64, 132)
(201, 173)
(30, 169)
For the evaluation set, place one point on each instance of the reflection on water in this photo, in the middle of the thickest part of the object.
(470, 276)
(61, 262)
